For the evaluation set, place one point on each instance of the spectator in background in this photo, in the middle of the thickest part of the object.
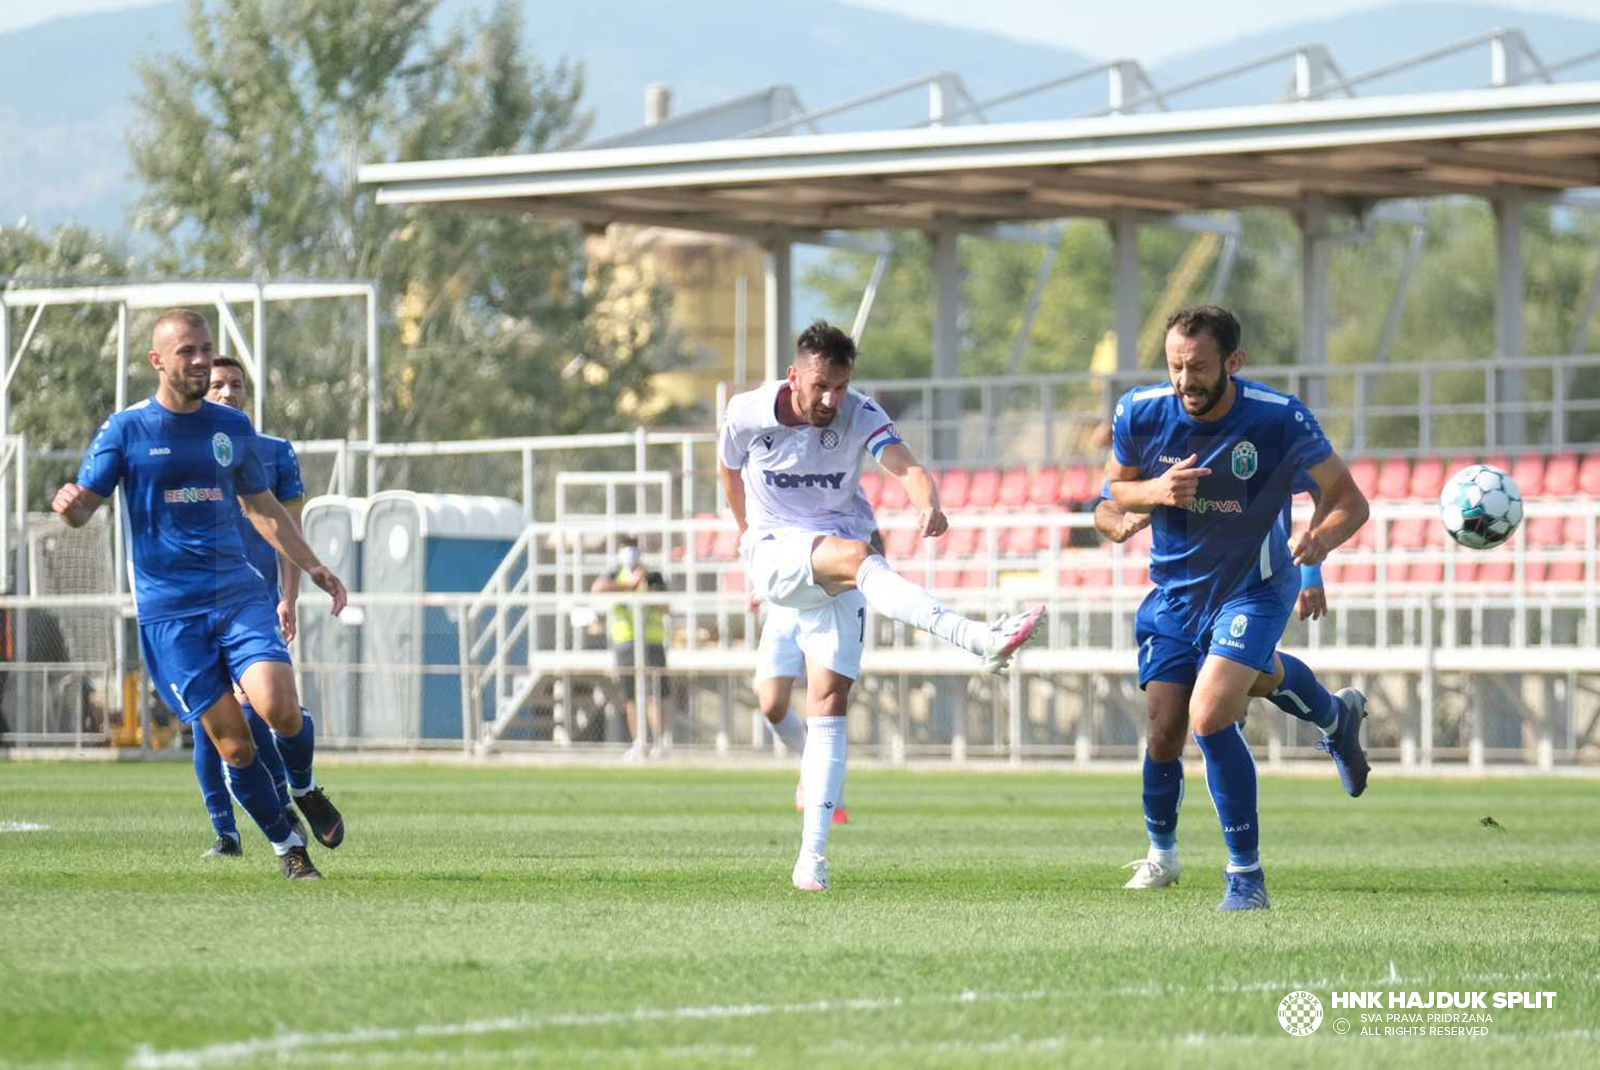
(630, 577)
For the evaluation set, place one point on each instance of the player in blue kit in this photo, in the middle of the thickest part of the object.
(282, 470)
(1215, 460)
(185, 466)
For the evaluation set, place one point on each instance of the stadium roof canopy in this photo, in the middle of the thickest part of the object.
(1530, 140)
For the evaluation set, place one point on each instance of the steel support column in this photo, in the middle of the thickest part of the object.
(1125, 255)
(1508, 337)
(1315, 246)
(780, 309)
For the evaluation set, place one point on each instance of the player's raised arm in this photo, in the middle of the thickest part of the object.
(75, 504)
(275, 525)
(1341, 510)
(898, 460)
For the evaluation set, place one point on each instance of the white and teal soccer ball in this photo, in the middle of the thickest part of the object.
(1480, 506)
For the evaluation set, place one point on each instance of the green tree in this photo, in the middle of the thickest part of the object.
(65, 384)
(249, 148)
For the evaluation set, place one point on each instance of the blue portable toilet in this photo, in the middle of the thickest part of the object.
(330, 647)
(424, 543)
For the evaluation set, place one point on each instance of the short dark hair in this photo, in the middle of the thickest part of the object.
(1219, 323)
(186, 316)
(826, 342)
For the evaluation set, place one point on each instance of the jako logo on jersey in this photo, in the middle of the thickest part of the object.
(1214, 505)
(830, 438)
(160, 451)
(1245, 460)
(1164, 459)
(185, 495)
(1239, 625)
(788, 481)
(222, 449)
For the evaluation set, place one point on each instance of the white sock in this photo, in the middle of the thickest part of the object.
(822, 778)
(294, 840)
(895, 597)
(791, 731)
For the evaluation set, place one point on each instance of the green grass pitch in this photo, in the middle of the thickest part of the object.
(492, 917)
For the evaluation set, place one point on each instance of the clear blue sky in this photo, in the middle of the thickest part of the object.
(1148, 30)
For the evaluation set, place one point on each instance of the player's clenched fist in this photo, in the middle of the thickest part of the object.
(74, 503)
(1307, 549)
(1181, 483)
(932, 523)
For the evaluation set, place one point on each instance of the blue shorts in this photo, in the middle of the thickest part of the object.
(193, 661)
(1246, 629)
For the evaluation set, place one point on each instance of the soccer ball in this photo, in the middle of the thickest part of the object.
(1480, 506)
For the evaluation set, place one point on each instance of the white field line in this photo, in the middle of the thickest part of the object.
(23, 826)
(287, 1045)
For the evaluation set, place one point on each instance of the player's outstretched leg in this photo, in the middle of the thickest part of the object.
(214, 789)
(1231, 778)
(1301, 694)
(897, 598)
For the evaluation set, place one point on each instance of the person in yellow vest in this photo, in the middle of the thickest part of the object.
(632, 576)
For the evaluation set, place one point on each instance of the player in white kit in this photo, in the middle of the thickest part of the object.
(791, 454)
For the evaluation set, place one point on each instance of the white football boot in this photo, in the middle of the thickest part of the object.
(811, 872)
(1155, 870)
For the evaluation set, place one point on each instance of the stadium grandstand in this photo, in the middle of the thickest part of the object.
(1469, 659)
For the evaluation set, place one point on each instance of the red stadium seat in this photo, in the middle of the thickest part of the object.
(1410, 533)
(985, 490)
(1014, 488)
(953, 486)
(1024, 542)
(726, 546)
(972, 577)
(1527, 472)
(1589, 475)
(1087, 570)
(1427, 477)
(1560, 476)
(1365, 473)
(962, 544)
(1549, 532)
(872, 485)
(1079, 483)
(900, 543)
(894, 496)
(1573, 532)
(705, 539)
(1394, 478)
(734, 581)
(1045, 486)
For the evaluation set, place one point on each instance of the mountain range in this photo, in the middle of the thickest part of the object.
(66, 86)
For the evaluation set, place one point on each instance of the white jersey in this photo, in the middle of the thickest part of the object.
(803, 478)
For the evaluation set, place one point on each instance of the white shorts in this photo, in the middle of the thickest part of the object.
(830, 635)
(780, 569)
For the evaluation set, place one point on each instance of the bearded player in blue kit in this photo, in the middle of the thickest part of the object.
(185, 467)
(1216, 459)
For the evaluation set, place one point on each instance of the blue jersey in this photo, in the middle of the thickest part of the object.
(181, 475)
(281, 468)
(1234, 537)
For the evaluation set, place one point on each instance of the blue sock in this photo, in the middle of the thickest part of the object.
(213, 785)
(267, 749)
(297, 751)
(1163, 794)
(1231, 776)
(1301, 695)
(252, 786)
